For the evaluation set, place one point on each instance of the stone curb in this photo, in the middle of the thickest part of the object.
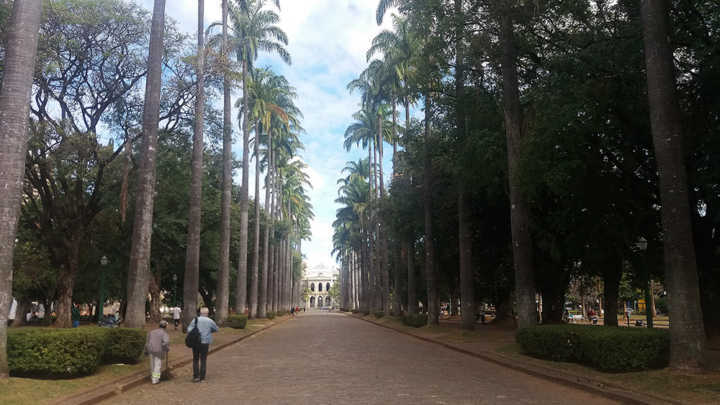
(126, 383)
(587, 384)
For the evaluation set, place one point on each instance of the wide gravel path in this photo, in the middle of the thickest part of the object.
(334, 359)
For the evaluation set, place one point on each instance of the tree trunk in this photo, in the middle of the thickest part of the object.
(191, 284)
(20, 50)
(382, 236)
(412, 306)
(155, 315)
(139, 270)
(687, 332)
(433, 305)
(241, 289)
(66, 283)
(467, 280)
(519, 213)
(223, 289)
(256, 297)
(611, 278)
(264, 291)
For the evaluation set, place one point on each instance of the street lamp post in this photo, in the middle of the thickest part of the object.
(642, 245)
(101, 292)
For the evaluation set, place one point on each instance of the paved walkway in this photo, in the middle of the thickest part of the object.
(334, 359)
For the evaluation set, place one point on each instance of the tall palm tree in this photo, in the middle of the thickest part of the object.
(687, 333)
(223, 290)
(191, 284)
(519, 214)
(255, 30)
(274, 111)
(139, 271)
(20, 51)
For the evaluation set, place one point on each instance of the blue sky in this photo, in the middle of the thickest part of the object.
(328, 42)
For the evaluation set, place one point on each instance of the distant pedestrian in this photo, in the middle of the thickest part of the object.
(207, 327)
(157, 345)
(292, 311)
(75, 316)
(176, 311)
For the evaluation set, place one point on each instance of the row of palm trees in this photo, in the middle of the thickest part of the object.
(267, 112)
(406, 73)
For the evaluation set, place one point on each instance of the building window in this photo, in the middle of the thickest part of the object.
(327, 287)
(319, 286)
(312, 287)
(312, 302)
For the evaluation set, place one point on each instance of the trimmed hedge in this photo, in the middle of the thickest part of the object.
(67, 353)
(237, 321)
(55, 353)
(379, 314)
(270, 315)
(415, 320)
(124, 345)
(603, 348)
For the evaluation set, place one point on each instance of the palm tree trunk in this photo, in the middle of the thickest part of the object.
(256, 295)
(382, 235)
(519, 213)
(139, 272)
(265, 294)
(241, 288)
(412, 307)
(687, 332)
(191, 284)
(467, 281)
(20, 50)
(223, 289)
(467, 290)
(433, 306)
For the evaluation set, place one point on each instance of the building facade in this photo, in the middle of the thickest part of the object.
(317, 289)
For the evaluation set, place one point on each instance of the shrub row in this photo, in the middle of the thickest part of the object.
(67, 353)
(270, 315)
(379, 314)
(415, 320)
(603, 348)
(237, 321)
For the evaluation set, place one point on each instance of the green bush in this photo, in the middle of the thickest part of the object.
(415, 320)
(603, 348)
(124, 345)
(379, 314)
(237, 321)
(355, 311)
(270, 315)
(55, 353)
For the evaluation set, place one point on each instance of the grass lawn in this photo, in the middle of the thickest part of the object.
(703, 388)
(34, 391)
(693, 388)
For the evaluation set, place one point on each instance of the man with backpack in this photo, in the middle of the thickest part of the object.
(204, 327)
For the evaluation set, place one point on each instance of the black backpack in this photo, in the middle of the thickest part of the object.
(193, 337)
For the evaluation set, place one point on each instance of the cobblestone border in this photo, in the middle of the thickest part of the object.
(587, 384)
(124, 384)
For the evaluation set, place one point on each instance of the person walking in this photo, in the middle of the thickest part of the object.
(176, 312)
(75, 316)
(157, 345)
(207, 327)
